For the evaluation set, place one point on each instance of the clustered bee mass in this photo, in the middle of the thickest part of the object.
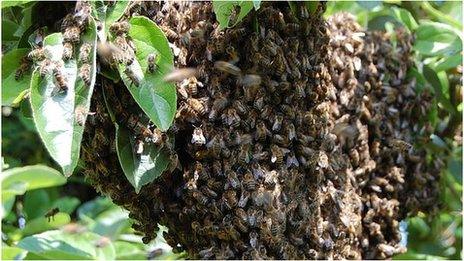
(292, 141)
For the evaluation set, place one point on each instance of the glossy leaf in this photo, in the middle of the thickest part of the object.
(433, 79)
(369, 5)
(111, 223)
(437, 39)
(33, 177)
(41, 224)
(108, 14)
(449, 63)
(129, 251)
(8, 29)
(406, 18)
(12, 253)
(54, 112)
(224, 10)
(156, 97)
(55, 244)
(139, 169)
(11, 88)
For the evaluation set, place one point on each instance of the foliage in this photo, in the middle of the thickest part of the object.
(230, 13)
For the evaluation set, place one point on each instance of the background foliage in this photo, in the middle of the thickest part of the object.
(91, 227)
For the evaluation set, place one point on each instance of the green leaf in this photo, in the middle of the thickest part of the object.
(14, 3)
(53, 112)
(432, 77)
(12, 253)
(66, 204)
(111, 223)
(93, 208)
(405, 17)
(108, 14)
(156, 97)
(449, 63)
(139, 169)
(129, 251)
(41, 224)
(11, 88)
(115, 12)
(58, 245)
(8, 30)
(369, 5)
(225, 9)
(34, 177)
(437, 39)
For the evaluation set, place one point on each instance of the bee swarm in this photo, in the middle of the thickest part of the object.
(294, 141)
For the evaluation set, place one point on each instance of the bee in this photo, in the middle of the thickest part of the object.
(277, 154)
(170, 34)
(131, 75)
(400, 145)
(152, 62)
(84, 53)
(44, 68)
(132, 122)
(240, 107)
(80, 114)
(261, 131)
(72, 35)
(50, 215)
(82, 13)
(200, 197)
(84, 73)
(197, 137)
(238, 33)
(249, 182)
(227, 67)
(220, 103)
(231, 118)
(120, 28)
(277, 125)
(249, 80)
(178, 75)
(37, 54)
(244, 156)
(24, 66)
(291, 132)
(60, 80)
(67, 51)
(196, 105)
(230, 199)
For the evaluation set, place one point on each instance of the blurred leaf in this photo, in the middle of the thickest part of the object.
(10, 87)
(437, 141)
(442, 17)
(405, 17)
(41, 224)
(57, 245)
(434, 39)
(139, 169)
(36, 203)
(416, 256)
(93, 208)
(8, 29)
(129, 251)
(111, 223)
(66, 204)
(12, 253)
(256, 4)
(449, 63)
(433, 79)
(53, 112)
(14, 3)
(369, 5)
(225, 9)
(33, 177)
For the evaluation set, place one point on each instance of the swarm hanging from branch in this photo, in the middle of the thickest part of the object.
(294, 140)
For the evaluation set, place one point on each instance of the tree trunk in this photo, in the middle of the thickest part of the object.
(308, 150)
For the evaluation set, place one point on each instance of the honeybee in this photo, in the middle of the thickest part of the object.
(152, 62)
(84, 73)
(231, 118)
(24, 66)
(227, 67)
(261, 131)
(244, 156)
(67, 51)
(72, 35)
(249, 80)
(229, 199)
(219, 104)
(120, 28)
(50, 215)
(291, 132)
(37, 54)
(60, 80)
(82, 13)
(196, 105)
(197, 137)
(44, 68)
(400, 145)
(177, 75)
(249, 182)
(277, 154)
(80, 114)
(170, 34)
(131, 75)
(84, 53)
(200, 197)
(277, 122)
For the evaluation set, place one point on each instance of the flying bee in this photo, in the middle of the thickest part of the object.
(131, 75)
(277, 154)
(120, 28)
(177, 75)
(220, 103)
(72, 35)
(227, 67)
(197, 137)
(84, 73)
(196, 105)
(84, 53)
(152, 63)
(102, 242)
(24, 66)
(60, 80)
(37, 54)
(50, 215)
(67, 51)
(249, 80)
(80, 114)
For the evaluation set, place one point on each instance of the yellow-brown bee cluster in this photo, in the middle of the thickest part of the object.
(293, 141)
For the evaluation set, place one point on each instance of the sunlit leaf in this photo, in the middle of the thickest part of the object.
(12, 253)
(33, 177)
(11, 88)
(369, 5)
(14, 3)
(55, 244)
(139, 169)
(54, 112)
(111, 223)
(437, 39)
(41, 224)
(156, 97)
(129, 251)
(449, 63)
(405, 17)
(224, 10)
